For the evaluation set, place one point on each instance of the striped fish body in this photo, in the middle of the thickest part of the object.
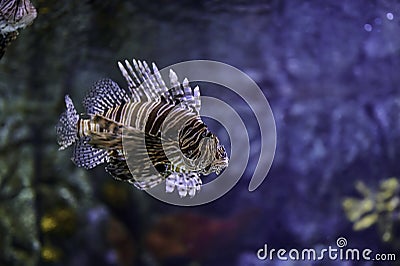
(138, 122)
(152, 135)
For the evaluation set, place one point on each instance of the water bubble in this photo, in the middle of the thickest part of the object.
(389, 16)
(368, 27)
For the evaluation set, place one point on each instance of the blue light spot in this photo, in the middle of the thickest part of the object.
(368, 27)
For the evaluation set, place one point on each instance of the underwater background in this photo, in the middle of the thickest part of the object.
(331, 72)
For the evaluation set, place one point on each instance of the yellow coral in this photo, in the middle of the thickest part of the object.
(48, 223)
(376, 207)
(50, 253)
(62, 220)
(365, 222)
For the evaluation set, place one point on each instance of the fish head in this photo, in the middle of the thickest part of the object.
(219, 159)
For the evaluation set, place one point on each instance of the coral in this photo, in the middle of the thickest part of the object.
(378, 207)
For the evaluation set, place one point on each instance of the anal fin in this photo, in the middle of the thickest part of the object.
(87, 156)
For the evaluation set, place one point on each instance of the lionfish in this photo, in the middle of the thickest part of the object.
(14, 15)
(145, 135)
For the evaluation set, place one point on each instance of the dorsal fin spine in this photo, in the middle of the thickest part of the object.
(161, 84)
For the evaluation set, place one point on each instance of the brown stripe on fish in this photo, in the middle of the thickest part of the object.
(106, 124)
(157, 117)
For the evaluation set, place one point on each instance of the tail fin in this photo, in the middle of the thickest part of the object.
(66, 128)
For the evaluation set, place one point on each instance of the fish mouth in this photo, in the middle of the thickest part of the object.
(221, 164)
(216, 167)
